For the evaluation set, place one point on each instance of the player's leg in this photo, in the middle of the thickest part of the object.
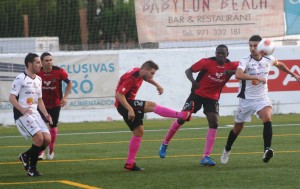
(211, 110)
(166, 112)
(244, 112)
(29, 128)
(134, 146)
(176, 125)
(53, 130)
(173, 129)
(136, 126)
(265, 115)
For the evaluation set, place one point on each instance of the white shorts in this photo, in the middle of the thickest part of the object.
(28, 125)
(248, 107)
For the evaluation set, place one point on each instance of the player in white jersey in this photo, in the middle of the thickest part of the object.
(26, 97)
(253, 72)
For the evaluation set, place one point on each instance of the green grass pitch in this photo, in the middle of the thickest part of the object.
(92, 155)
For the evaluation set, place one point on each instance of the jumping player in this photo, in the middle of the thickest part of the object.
(253, 71)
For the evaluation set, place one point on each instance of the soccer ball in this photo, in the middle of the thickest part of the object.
(265, 47)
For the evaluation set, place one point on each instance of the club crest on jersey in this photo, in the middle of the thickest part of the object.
(218, 75)
(47, 83)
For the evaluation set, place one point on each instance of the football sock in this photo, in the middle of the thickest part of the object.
(166, 112)
(35, 150)
(230, 140)
(53, 133)
(210, 141)
(173, 129)
(134, 147)
(267, 134)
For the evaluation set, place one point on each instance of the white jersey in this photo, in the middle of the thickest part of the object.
(28, 90)
(252, 89)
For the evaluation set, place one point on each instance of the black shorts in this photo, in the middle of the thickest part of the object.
(209, 105)
(54, 112)
(138, 107)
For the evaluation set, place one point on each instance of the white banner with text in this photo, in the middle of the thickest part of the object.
(94, 78)
(197, 20)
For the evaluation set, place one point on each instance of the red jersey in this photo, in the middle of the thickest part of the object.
(52, 86)
(129, 84)
(211, 77)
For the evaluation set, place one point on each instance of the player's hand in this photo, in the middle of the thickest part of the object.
(160, 90)
(63, 102)
(131, 115)
(262, 79)
(26, 111)
(49, 118)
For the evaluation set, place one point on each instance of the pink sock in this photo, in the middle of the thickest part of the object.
(53, 133)
(210, 141)
(134, 147)
(166, 112)
(173, 129)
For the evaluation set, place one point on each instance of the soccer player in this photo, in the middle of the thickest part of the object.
(214, 72)
(52, 77)
(253, 71)
(133, 110)
(26, 96)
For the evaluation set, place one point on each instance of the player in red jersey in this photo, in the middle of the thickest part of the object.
(213, 74)
(52, 77)
(133, 110)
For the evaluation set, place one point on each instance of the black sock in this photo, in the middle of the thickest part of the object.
(230, 140)
(267, 134)
(35, 150)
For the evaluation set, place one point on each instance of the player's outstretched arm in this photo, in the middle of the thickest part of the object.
(158, 87)
(284, 68)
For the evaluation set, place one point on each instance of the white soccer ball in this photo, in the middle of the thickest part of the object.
(265, 47)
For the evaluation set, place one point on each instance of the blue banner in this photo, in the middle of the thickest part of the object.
(292, 13)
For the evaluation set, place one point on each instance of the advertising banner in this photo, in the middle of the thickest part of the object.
(292, 14)
(94, 79)
(198, 20)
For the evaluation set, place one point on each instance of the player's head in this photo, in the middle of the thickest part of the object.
(44, 55)
(46, 59)
(221, 53)
(253, 42)
(148, 70)
(33, 62)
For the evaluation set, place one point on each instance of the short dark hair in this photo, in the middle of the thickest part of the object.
(45, 54)
(30, 58)
(150, 65)
(255, 38)
(222, 46)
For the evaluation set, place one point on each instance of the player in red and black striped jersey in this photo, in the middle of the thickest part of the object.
(213, 74)
(133, 110)
(52, 77)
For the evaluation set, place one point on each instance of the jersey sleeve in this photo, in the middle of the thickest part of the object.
(273, 60)
(198, 66)
(16, 85)
(125, 86)
(234, 65)
(64, 75)
(40, 94)
(243, 64)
